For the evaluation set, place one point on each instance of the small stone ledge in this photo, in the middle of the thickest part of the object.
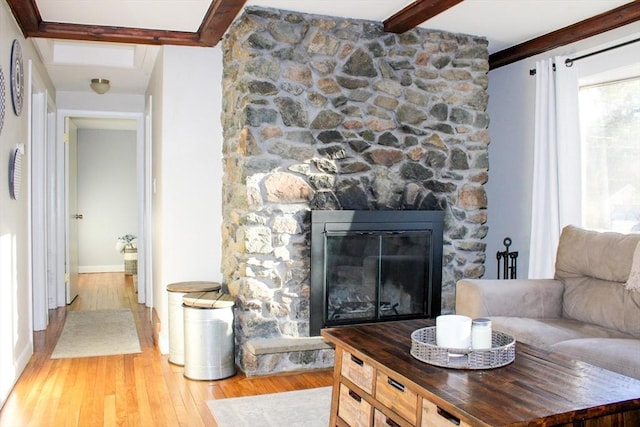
(286, 345)
(266, 356)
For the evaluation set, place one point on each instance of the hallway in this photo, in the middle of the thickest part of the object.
(140, 389)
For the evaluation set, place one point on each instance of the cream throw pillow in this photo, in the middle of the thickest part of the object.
(633, 282)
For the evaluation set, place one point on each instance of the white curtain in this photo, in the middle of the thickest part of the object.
(556, 196)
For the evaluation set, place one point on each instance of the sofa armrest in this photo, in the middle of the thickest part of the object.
(536, 298)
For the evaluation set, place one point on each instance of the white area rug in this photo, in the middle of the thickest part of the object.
(308, 408)
(97, 333)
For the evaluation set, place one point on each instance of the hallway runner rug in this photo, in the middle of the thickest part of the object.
(97, 333)
(308, 408)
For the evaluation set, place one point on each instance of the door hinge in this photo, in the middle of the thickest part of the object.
(67, 278)
(65, 138)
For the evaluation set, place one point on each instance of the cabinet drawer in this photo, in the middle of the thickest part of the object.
(357, 371)
(381, 420)
(395, 395)
(432, 416)
(353, 409)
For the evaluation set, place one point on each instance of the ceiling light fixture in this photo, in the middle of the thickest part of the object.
(100, 86)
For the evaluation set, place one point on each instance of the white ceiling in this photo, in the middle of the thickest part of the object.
(176, 15)
(72, 65)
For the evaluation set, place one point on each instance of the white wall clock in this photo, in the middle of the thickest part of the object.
(15, 172)
(17, 77)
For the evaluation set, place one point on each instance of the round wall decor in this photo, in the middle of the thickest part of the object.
(15, 173)
(17, 77)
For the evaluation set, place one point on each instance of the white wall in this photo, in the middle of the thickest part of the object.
(187, 169)
(107, 196)
(89, 101)
(512, 110)
(16, 331)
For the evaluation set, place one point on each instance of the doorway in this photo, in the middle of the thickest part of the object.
(102, 197)
(88, 122)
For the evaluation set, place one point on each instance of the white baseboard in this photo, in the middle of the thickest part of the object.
(101, 268)
(163, 343)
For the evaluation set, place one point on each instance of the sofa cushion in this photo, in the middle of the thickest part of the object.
(544, 333)
(606, 256)
(633, 282)
(617, 355)
(603, 303)
(594, 267)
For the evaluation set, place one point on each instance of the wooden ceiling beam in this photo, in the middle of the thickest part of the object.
(623, 15)
(216, 21)
(26, 14)
(416, 13)
(99, 33)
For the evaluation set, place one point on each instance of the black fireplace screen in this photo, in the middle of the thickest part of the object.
(371, 266)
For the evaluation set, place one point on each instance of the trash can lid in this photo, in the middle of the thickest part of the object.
(195, 286)
(208, 300)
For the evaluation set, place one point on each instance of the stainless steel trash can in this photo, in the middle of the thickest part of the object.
(175, 293)
(208, 336)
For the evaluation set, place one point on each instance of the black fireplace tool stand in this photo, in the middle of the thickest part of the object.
(507, 261)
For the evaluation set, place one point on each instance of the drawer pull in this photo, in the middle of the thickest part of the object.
(388, 421)
(354, 396)
(395, 384)
(448, 416)
(356, 360)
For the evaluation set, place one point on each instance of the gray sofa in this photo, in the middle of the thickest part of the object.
(589, 311)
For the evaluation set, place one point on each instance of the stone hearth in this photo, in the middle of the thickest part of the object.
(328, 113)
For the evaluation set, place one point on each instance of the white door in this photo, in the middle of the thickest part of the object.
(73, 216)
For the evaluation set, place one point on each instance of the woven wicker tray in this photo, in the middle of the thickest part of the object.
(424, 348)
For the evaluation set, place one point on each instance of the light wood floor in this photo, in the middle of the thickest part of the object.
(141, 389)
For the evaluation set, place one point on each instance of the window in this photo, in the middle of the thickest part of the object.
(610, 130)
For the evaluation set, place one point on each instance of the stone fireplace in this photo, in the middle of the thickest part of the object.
(323, 113)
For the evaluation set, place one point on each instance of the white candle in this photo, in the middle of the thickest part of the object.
(453, 331)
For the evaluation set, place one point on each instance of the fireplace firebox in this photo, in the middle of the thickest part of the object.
(374, 266)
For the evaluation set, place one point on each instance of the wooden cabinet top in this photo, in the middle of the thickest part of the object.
(536, 388)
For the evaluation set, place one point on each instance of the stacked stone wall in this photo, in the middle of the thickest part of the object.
(328, 113)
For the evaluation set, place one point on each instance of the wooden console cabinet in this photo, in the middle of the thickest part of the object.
(378, 383)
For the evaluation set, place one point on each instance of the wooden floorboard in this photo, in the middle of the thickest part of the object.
(141, 389)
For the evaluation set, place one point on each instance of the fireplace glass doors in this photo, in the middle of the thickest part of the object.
(374, 266)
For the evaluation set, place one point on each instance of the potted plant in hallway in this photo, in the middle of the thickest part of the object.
(127, 245)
